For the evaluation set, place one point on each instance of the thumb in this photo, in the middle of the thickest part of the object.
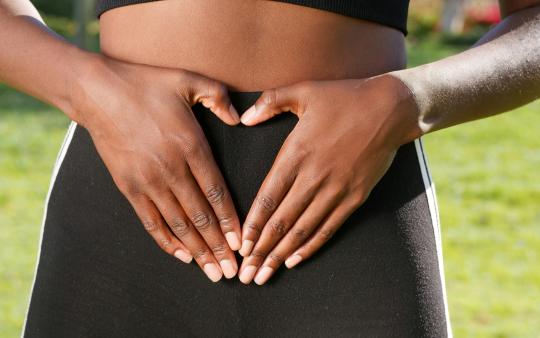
(273, 102)
(213, 95)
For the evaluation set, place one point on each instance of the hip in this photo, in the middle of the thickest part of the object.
(381, 272)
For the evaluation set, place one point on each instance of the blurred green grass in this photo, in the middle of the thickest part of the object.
(488, 189)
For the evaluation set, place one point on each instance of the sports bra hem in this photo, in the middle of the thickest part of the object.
(392, 13)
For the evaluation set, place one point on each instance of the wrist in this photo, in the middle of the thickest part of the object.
(86, 70)
(61, 96)
(402, 120)
(416, 82)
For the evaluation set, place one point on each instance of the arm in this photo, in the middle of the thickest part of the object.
(141, 123)
(317, 182)
(499, 73)
(36, 60)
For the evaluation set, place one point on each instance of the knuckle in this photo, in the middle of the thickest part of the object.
(201, 220)
(190, 148)
(284, 179)
(267, 202)
(226, 222)
(180, 226)
(300, 233)
(254, 228)
(278, 227)
(336, 192)
(190, 144)
(216, 89)
(150, 178)
(199, 253)
(215, 194)
(258, 254)
(150, 173)
(219, 249)
(165, 243)
(175, 175)
(199, 151)
(128, 187)
(311, 184)
(270, 96)
(182, 172)
(297, 149)
(359, 197)
(326, 234)
(276, 258)
(150, 226)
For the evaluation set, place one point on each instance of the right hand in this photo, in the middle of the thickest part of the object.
(141, 122)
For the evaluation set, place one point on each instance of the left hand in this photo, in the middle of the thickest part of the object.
(345, 140)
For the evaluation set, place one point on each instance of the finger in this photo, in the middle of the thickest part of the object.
(204, 221)
(324, 232)
(307, 223)
(183, 228)
(153, 223)
(212, 94)
(292, 206)
(273, 189)
(272, 102)
(204, 170)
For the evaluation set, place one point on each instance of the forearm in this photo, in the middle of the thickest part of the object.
(36, 60)
(500, 72)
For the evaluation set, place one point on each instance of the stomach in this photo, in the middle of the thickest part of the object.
(251, 45)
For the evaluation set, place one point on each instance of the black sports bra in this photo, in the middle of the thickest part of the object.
(391, 13)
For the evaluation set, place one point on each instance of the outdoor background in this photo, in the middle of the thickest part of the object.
(486, 175)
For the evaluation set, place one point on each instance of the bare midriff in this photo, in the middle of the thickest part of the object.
(251, 45)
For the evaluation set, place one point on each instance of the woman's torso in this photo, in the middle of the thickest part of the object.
(251, 45)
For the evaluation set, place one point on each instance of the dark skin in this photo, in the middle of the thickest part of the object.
(136, 103)
(338, 93)
(317, 182)
(167, 173)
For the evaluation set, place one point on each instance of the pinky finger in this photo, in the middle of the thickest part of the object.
(324, 232)
(157, 228)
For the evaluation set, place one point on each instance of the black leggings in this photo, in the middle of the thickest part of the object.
(99, 274)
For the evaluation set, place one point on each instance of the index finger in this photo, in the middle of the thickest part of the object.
(275, 186)
(205, 171)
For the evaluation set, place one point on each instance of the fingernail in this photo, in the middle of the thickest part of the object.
(293, 260)
(248, 114)
(233, 240)
(228, 269)
(263, 275)
(247, 274)
(234, 113)
(183, 256)
(212, 271)
(247, 245)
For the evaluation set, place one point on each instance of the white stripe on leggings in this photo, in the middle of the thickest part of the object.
(59, 159)
(434, 211)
